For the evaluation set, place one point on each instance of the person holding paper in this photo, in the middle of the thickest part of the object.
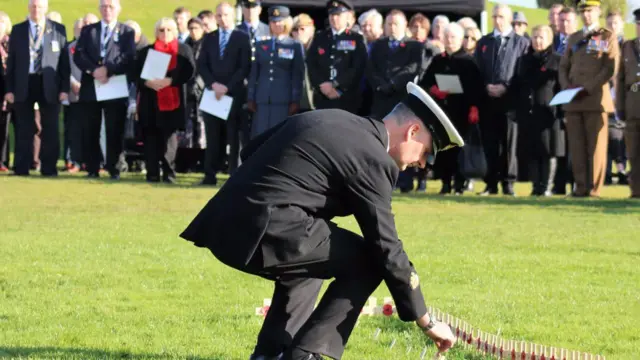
(105, 51)
(224, 64)
(462, 108)
(541, 129)
(589, 62)
(37, 73)
(162, 102)
(275, 81)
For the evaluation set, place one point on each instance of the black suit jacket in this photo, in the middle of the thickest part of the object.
(457, 105)
(232, 69)
(55, 64)
(326, 174)
(389, 71)
(121, 51)
(148, 99)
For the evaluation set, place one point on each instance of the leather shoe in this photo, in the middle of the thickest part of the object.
(265, 357)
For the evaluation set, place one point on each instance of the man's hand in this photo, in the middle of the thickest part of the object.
(333, 94)
(163, 83)
(8, 97)
(327, 88)
(252, 106)
(63, 97)
(100, 74)
(496, 90)
(440, 333)
(219, 89)
(75, 87)
(293, 108)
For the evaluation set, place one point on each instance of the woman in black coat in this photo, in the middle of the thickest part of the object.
(162, 102)
(462, 109)
(540, 127)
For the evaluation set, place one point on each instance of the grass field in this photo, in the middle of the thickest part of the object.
(147, 12)
(95, 270)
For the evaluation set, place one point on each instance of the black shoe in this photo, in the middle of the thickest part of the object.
(264, 357)
(207, 181)
(446, 189)
(489, 191)
(422, 185)
(115, 177)
(507, 189)
(93, 175)
(153, 179)
(169, 180)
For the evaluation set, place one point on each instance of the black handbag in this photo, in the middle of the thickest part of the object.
(472, 162)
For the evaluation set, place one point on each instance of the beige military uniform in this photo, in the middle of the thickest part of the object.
(589, 62)
(628, 105)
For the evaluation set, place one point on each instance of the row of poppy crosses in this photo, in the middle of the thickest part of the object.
(470, 338)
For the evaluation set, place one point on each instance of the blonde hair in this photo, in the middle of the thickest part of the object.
(6, 20)
(54, 16)
(476, 32)
(546, 29)
(135, 26)
(167, 21)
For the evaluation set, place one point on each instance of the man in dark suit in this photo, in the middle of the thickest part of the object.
(224, 64)
(284, 211)
(336, 61)
(393, 62)
(104, 50)
(37, 72)
(252, 26)
(497, 54)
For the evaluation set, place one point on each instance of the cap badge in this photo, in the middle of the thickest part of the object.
(276, 12)
(335, 4)
(414, 281)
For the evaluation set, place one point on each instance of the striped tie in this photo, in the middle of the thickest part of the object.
(37, 61)
(223, 42)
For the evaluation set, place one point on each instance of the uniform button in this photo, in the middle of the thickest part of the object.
(270, 79)
(271, 70)
(271, 62)
(331, 56)
(253, 49)
(253, 58)
(333, 47)
(530, 111)
(271, 54)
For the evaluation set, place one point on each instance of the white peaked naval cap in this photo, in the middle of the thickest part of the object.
(444, 134)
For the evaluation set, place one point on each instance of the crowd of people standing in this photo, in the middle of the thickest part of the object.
(291, 65)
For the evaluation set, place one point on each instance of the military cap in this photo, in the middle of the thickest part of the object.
(443, 134)
(251, 3)
(583, 4)
(636, 13)
(278, 12)
(338, 6)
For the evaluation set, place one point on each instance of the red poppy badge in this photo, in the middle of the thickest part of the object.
(321, 51)
(543, 69)
(484, 48)
(265, 47)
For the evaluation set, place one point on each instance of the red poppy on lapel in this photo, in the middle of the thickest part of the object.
(265, 47)
(402, 44)
(73, 49)
(543, 69)
(484, 48)
(321, 51)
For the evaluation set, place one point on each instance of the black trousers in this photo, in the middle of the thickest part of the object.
(499, 135)
(542, 172)
(160, 147)
(291, 322)
(616, 151)
(73, 131)
(447, 167)
(220, 133)
(26, 128)
(115, 112)
(5, 120)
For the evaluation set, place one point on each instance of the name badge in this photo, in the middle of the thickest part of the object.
(592, 46)
(55, 46)
(285, 53)
(604, 46)
(346, 45)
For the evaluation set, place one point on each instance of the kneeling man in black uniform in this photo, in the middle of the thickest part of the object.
(272, 218)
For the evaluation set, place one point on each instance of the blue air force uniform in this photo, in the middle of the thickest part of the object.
(275, 81)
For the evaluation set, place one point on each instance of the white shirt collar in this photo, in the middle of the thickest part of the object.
(590, 28)
(507, 32)
(336, 33)
(32, 23)
(104, 24)
(252, 26)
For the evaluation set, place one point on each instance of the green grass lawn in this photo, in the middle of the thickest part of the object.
(96, 270)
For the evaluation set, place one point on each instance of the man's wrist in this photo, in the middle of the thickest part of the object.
(426, 322)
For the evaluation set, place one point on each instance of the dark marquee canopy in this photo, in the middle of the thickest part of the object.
(461, 7)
